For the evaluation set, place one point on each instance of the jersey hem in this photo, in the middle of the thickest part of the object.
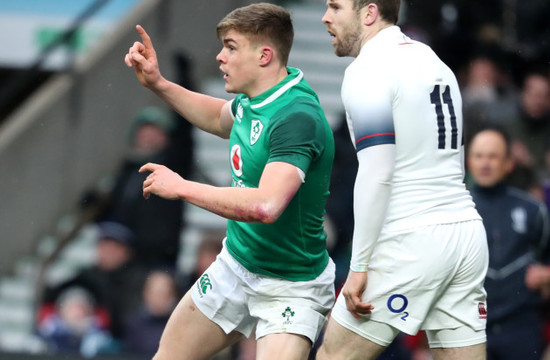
(259, 271)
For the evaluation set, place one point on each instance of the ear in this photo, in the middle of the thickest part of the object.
(369, 14)
(266, 55)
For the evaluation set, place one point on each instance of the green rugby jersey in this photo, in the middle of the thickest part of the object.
(286, 123)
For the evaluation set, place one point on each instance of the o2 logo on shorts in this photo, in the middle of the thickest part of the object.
(397, 304)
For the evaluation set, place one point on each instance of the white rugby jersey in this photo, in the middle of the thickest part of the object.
(397, 91)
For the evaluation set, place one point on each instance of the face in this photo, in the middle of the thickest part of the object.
(238, 62)
(536, 96)
(482, 73)
(488, 161)
(111, 254)
(150, 139)
(159, 293)
(344, 25)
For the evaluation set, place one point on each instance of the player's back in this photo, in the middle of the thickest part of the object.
(426, 111)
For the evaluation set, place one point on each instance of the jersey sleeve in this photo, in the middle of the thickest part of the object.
(298, 139)
(235, 103)
(371, 195)
(368, 103)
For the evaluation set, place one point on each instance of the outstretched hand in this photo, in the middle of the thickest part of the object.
(161, 181)
(353, 291)
(143, 58)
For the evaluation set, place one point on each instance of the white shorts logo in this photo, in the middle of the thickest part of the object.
(287, 314)
(236, 160)
(255, 131)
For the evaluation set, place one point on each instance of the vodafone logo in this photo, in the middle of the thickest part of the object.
(236, 160)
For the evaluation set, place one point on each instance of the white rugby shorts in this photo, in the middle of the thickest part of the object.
(236, 299)
(429, 278)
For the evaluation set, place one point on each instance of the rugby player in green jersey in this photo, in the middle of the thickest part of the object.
(273, 274)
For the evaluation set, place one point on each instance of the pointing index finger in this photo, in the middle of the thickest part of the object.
(144, 37)
(149, 167)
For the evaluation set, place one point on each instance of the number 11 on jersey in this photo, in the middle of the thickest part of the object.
(436, 98)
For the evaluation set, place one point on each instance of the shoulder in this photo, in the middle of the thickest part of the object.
(301, 107)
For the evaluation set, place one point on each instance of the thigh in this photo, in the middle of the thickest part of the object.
(462, 336)
(221, 294)
(474, 352)
(292, 307)
(463, 301)
(340, 343)
(189, 334)
(378, 332)
(283, 346)
(408, 272)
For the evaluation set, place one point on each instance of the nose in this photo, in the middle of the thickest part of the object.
(325, 18)
(220, 57)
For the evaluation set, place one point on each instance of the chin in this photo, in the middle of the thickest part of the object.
(229, 89)
(341, 52)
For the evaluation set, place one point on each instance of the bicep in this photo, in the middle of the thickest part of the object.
(370, 113)
(226, 120)
(279, 183)
(377, 163)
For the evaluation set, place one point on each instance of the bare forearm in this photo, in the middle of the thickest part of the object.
(234, 203)
(201, 110)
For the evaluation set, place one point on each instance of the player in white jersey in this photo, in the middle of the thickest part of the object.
(417, 234)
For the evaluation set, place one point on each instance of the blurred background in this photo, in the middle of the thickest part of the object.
(75, 125)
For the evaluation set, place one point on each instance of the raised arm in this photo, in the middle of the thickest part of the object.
(207, 113)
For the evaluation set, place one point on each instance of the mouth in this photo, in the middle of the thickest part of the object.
(332, 37)
(225, 75)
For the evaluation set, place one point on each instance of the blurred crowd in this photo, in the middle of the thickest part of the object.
(500, 51)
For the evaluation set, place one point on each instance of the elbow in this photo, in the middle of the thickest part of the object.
(385, 176)
(267, 213)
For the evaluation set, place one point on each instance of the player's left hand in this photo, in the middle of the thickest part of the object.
(353, 292)
(161, 181)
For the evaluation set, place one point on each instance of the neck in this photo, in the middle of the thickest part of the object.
(490, 189)
(267, 80)
(373, 30)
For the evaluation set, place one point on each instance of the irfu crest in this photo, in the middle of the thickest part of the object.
(287, 314)
(255, 131)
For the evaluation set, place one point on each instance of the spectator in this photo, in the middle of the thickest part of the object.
(531, 131)
(517, 235)
(156, 223)
(144, 326)
(73, 326)
(206, 252)
(116, 280)
(489, 97)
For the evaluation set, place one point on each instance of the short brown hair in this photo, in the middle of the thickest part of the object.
(389, 9)
(261, 22)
